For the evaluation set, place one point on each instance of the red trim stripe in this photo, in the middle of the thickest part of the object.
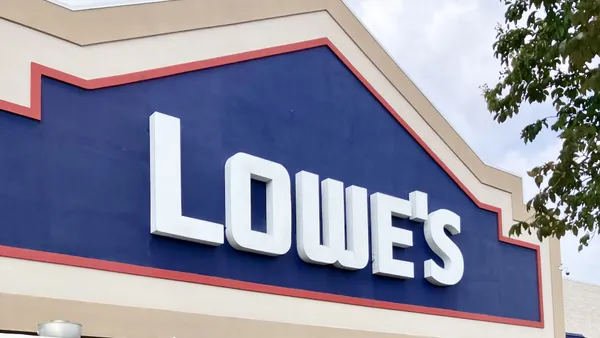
(34, 112)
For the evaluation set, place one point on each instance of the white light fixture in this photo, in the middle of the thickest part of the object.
(79, 5)
(59, 329)
(52, 329)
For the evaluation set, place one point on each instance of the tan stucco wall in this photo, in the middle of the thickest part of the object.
(101, 320)
(582, 308)
(136, 295)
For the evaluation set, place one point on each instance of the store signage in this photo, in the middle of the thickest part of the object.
(345, 217)
(284, 174)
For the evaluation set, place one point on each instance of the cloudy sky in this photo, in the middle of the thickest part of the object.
(445, 46)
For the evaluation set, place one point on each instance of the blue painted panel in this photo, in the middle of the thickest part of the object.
(77, 183)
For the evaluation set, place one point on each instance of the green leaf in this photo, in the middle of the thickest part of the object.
(589, 221)
(538, 180)
(585, 239)
(545, 59)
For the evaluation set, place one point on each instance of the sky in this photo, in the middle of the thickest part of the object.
(445, 47)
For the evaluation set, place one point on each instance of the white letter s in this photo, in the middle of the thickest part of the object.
(442, 245)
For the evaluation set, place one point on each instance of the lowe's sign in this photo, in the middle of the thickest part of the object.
(345, 241)
(283, 172)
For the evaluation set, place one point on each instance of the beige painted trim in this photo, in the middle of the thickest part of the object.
(557, 289)
(115, 24)
(23, 313)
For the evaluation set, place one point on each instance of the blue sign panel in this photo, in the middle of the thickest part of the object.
(77, 183)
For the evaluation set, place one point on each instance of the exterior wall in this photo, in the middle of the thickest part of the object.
(149, 307)
(582, 308)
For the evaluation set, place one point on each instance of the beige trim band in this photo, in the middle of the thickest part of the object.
(115, 24)
(557, 289)
(23, 313)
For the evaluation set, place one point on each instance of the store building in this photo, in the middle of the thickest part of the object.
(238, 168)
(582, 308)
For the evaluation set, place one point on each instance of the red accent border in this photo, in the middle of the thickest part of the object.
(34, 112)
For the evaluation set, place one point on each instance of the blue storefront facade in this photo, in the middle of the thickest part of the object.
(283, 177)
